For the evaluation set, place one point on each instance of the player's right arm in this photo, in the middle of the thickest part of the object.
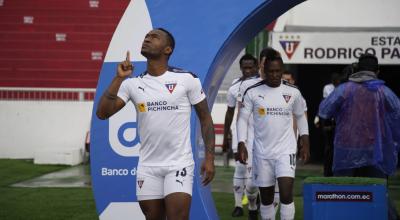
(230, 111)
(227, 127)
(109, 102)
(244, 113)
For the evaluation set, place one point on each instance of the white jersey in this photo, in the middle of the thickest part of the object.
(272, 110)
(163, 104)
(328, 89)
(234, 95)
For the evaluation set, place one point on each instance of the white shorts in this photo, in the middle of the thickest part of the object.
(157, 182)
(266, 171)
(244, 172)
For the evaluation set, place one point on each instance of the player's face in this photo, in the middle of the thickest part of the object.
(155, 44)
(288, 78)
(273, 73)
(248, 68)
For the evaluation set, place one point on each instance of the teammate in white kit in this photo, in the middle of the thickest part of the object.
(273, 105)
(163, 98)
(242, 176)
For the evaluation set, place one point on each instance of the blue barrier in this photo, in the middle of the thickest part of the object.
(345, 199)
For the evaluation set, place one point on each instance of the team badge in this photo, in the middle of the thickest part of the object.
(140, 183)
(248, 169)
(170, 87)
(287, 97)
(141, 107)
(289, 45)
(261, 111)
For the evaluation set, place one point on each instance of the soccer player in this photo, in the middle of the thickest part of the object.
(163, 97)
(242, 176)
(273, 104)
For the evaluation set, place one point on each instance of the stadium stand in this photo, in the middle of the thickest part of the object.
(55, 44)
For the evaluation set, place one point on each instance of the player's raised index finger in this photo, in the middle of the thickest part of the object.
(128, 56)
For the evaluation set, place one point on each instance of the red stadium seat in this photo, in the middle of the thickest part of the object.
(57, 44)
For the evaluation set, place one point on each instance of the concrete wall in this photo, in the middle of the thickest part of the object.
(31, 127)
(53, 132)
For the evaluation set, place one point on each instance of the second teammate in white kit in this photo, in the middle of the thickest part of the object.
(273, 105)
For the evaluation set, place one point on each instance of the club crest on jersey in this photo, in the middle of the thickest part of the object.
(261, 111)
(142, 107)
(140, 183)
(289, 44)
(170, 87)
(287, 97)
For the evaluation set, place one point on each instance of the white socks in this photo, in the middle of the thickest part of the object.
(276, 199)
(238, 189)
(267, 212)
(252, 193)
(287, 211)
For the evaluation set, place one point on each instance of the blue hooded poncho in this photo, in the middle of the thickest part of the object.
(367, 115)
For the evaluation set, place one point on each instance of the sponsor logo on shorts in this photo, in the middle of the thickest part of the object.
(249, 169)
(178, 181)
(140, 183)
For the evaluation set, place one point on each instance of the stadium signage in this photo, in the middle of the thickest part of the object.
(338, 196)
(336, 47)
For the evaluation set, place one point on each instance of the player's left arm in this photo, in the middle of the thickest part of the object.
(299, 111)
(198, 99)
(208, 134)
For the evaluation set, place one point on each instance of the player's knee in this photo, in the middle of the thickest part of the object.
(251, 190)
(238, 188)
(267, 200)
(154, 215)
(286, 197)
(179, 215)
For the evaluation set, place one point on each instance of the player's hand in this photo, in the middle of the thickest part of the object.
(236, 156)
(207, 170)
(242, 151)
(305, 148)
(125, 68)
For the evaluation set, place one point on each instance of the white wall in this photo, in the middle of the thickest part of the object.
(342, 13)
(31, 126)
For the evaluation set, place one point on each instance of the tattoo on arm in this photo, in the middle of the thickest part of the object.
(207, 126)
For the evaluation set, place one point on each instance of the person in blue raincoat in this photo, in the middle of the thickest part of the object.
(367, 115)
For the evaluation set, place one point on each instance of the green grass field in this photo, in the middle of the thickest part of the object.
(78, 203)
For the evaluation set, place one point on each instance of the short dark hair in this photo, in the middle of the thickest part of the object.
(348, 70)
(266, 64)
(248, 57)
(368, 62)
(286, 72)
(170, 38)
(269, 53)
